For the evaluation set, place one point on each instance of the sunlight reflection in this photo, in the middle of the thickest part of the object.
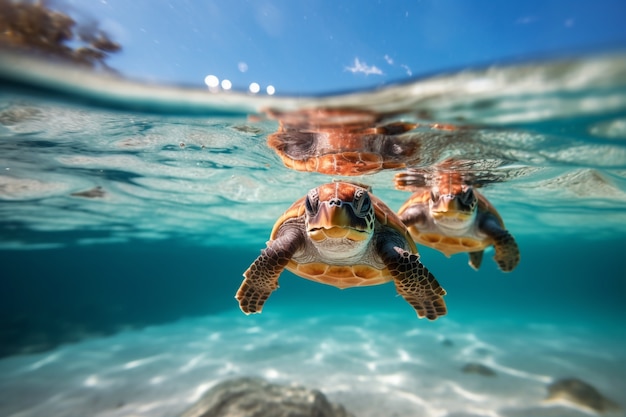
(157, 379)
(557, 403)
(150, 406)
(141, 362)
(483, 412)
(227, 368)
(404, 355)
(413, 398)
(212, 81)
(476, 347)
(254, 88)
(516, 372)
(271, 374)
(191, 364)
(392, 379)
(199, 391)
(48, 359)
(91, 381)
(370, 350)
(465, 393)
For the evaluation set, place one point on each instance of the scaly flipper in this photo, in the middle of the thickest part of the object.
(475, 259)
(261, 278)
(413, 281)
(507, 253)
(413, 216)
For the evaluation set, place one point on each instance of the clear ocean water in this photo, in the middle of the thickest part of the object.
(128, 213)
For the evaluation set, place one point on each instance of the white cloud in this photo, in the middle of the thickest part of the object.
(525, 20)
(389, 59)
(407, 69)
(364, 68)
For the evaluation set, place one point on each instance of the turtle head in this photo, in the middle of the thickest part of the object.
(339, 211)
(453, 209)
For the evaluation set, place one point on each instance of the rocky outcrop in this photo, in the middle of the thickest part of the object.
(582, 394)
(478, 368)
(254, 397)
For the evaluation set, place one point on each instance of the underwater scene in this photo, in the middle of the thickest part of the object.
(444, 243)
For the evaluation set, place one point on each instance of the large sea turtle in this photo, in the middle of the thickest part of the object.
(453, 217)
(341, 235)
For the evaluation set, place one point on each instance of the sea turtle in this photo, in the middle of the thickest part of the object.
(453, 217)
(342, 141)
(340, 234)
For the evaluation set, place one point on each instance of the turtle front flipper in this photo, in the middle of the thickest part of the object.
(476, 259)
(413, 215)
(507, 253)
(413, 281)
(261, 278)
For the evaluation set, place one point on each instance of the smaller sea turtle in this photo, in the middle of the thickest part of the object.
(453, 217)
(341, 235)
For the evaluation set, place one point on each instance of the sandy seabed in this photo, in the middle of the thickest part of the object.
(376, 365)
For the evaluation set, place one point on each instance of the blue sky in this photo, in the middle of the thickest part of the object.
(324, 46)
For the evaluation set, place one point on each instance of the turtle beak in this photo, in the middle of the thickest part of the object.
(450, 209)
(336, 220)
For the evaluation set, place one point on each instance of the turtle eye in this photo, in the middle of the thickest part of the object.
(311, 202)
(366, 204)
(468, 198)
(434, 195)
(362, 202)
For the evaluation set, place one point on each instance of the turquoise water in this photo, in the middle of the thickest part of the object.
(128, 213)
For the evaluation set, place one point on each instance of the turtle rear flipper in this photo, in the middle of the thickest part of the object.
(507, 252)
(261, 278)
(414, 282)
(476, 259)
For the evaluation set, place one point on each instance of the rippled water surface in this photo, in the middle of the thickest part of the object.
(551, 134)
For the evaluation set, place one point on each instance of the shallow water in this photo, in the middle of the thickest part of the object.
(128, 213)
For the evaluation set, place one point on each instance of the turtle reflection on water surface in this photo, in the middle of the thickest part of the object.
(342, 141)
(453, 217)
(341, 235)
